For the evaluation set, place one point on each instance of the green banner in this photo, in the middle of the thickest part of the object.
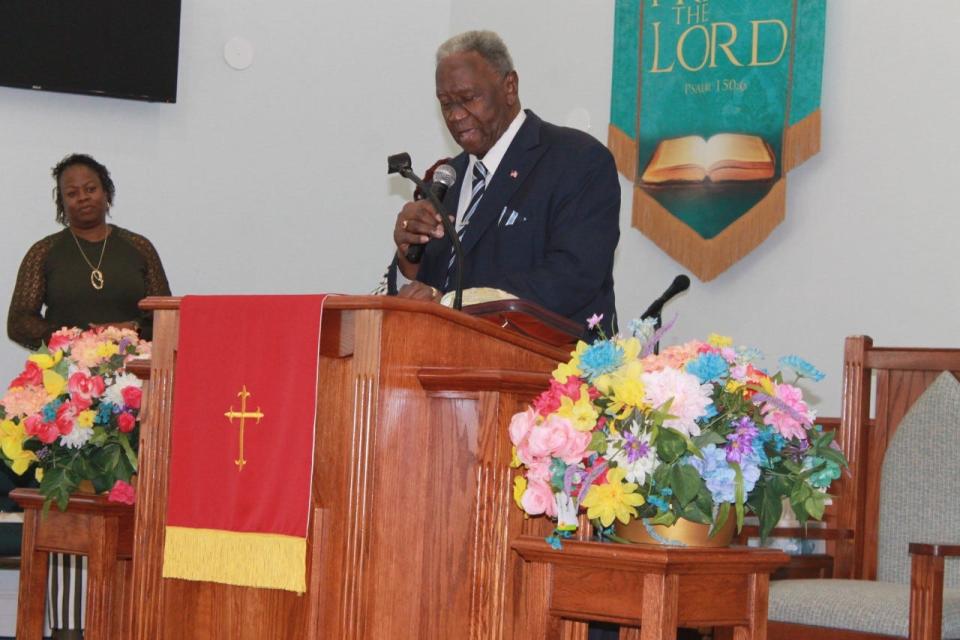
(713, 102)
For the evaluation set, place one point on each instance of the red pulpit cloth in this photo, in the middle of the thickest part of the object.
(245, 397)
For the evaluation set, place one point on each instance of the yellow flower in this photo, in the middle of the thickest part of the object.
(733, 385)
(566, 369)
(53, 382)
(627, 395)
(631, 348)
(38, 474)
(581, 414)
(12, 436)
(719, 341)
(45, 361)
(519, 487)
(107, 349)
(613, 500)
(767, 385)
(85, 418)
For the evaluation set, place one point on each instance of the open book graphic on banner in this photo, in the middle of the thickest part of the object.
(724, 157)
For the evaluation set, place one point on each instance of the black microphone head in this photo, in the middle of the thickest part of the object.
(445, 175)
(398, 162)
(681, 283)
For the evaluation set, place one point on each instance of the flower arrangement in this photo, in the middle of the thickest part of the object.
(695, 432)
(72, 414)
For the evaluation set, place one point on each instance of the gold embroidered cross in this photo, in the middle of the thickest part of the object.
(243, 414)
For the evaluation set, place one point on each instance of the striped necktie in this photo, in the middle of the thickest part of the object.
(479, 186)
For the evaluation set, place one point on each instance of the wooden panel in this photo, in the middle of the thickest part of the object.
(412, 497)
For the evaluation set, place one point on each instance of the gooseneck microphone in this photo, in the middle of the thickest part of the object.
(680, 283)
(401, 163)
(443, 178)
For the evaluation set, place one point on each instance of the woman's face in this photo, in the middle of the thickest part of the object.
(84, 200)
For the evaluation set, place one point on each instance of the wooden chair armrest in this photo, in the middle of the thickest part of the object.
(926, 588)
(937, 550)
(815, 533)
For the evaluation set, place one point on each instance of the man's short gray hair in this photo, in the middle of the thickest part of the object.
(487, 44)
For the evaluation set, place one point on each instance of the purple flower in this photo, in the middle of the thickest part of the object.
(634, 447)
(740, 442)
(594, 320)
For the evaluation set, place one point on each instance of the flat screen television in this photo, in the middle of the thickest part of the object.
(118, 48)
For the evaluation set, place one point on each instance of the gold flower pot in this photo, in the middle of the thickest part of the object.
(683, 533)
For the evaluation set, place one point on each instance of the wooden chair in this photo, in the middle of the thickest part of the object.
(897, 513)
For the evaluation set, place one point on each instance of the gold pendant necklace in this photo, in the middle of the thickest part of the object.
(96, 276)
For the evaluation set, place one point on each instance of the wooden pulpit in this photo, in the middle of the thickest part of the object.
(412, 515)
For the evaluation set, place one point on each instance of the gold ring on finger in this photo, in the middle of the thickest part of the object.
(403, 225)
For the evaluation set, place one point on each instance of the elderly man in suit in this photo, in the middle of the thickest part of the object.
(537, 205)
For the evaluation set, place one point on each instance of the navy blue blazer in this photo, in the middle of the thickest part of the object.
(547, 226)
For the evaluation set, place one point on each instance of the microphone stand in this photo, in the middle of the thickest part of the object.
(448, 228)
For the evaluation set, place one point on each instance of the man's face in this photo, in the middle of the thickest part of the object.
(478, 104)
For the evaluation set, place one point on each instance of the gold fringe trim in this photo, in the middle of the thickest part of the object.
(801, 142)
(263, 560)
(624, 150)
(709, 258)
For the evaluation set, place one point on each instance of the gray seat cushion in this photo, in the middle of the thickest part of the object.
(858, 605)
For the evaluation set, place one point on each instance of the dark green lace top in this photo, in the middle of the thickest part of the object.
(53, 287)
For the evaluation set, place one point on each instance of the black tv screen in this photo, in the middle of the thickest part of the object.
(119, 48)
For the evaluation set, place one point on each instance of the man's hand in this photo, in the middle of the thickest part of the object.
(416, 223)
(419, 291)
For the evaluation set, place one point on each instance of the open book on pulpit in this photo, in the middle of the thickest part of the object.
(724, 157)
(520, 316)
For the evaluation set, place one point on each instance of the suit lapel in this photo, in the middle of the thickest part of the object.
(514, 169)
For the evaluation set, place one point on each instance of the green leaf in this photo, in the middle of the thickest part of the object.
(696, 513)
(738, 492)
(667, 518)
(670, 445)
(833, 456)
(598, 442)
(127, 449)
(708, 437)
(815, 505)
(721, 520)
(770, 511)
(685, 482)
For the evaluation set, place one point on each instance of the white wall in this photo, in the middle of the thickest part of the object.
(273, 179)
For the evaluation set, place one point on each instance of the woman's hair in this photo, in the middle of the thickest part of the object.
(93, 165)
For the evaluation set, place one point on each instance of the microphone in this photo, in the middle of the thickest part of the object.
(680, 283)
(400, 163)
(443, 178)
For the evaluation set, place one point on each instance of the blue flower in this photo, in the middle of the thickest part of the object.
(824, 477)
(50, 410)
(802, 368)
(708, 367)
(600, 358)
(105, 412)
(720, 477)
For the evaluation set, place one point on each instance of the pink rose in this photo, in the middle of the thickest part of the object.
(538, 498)
(131, 397)
(84, 388)
(545, 439)
(539, 470)
(66, 418)
(122, 492)
(520, 426)
(126, 422)
(32, 376)
(572, 447)
(62, 338)
(45, 432)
